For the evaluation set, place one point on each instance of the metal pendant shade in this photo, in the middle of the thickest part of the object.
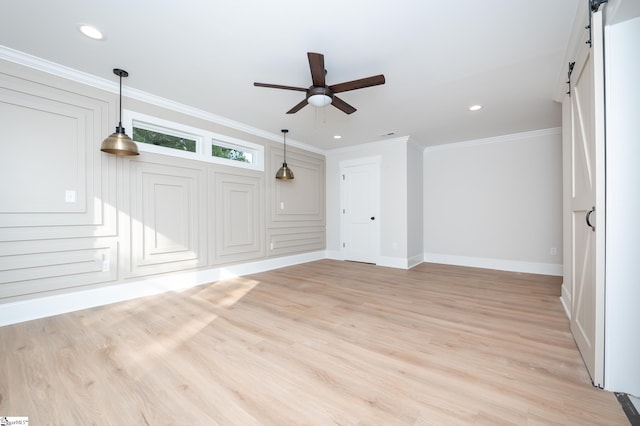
(119, 143)
(284, 173)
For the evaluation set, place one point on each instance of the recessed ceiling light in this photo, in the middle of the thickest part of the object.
(475, 107)
(91, 32)
(337, 137)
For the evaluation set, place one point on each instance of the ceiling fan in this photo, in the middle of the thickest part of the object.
(319, 94)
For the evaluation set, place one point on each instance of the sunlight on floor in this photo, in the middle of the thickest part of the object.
(225, 294)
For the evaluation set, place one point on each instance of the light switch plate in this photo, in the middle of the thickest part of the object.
(70, 196)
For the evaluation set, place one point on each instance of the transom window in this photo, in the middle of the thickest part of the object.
(221, 151)
(162, 139)
(165, 137)
(159, 138)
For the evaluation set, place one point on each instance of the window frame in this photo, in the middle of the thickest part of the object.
(224, 144)
(204, 141)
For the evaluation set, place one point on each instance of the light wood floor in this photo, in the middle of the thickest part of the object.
(326, 342)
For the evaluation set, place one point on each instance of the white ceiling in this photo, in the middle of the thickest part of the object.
(438, 57)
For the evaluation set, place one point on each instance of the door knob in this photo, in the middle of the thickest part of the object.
(373, 218)
(588, 218)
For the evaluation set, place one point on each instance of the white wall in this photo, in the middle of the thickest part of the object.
(393, 198)
(622, 316)
(496, 203)
(415, 218)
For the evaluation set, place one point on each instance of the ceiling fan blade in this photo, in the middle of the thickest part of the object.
(358, 84)
(298, 107)
(279, 86)
(316, 64)
(342, 105)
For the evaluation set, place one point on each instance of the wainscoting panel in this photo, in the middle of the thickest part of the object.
(301, 201)
(295, 240)
(238, 210)
(166, 216)
(59, 184)
(28, 267)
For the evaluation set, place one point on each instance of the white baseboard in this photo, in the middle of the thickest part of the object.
(498, 264)
(49, 305)
(401, 263)
(334, 254)
(390, 262)
(415, 261)
(565, 299)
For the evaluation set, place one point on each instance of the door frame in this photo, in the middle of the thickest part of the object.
(375, 162)
(597, 30)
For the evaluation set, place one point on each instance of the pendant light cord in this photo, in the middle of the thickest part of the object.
(120, 73)
(120, 128)
(120, 118)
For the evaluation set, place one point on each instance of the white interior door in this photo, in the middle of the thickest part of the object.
(587, 210)
(360, 189)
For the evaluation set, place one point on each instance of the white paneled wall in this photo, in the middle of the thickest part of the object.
(239, 218)
(163, 214)
(75, 220)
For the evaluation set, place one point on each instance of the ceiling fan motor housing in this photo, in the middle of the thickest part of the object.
(317, 90)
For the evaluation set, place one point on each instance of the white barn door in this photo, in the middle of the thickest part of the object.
(587, 202)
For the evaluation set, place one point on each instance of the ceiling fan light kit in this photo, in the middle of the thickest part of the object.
(319, 94)
(319, 97)
(319, 101)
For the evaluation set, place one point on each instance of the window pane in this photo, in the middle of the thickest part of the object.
(231, 154)
(161, 139)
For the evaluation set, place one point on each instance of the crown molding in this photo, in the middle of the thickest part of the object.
(496, 139)
(58, 70)
(369, 145)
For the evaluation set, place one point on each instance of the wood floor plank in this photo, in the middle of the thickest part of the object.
(325, 342)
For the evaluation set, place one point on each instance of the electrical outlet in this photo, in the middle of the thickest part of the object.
(281, 205)
(105, 265)
(553, 251)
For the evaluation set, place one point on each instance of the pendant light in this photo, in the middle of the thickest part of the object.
(285, 172)
(119, 143)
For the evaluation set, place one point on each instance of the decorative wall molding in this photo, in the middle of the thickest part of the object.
(32, 267)
(285, 241)
(77, 198)
(289, 203)
(165, 217)
(238, 209)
